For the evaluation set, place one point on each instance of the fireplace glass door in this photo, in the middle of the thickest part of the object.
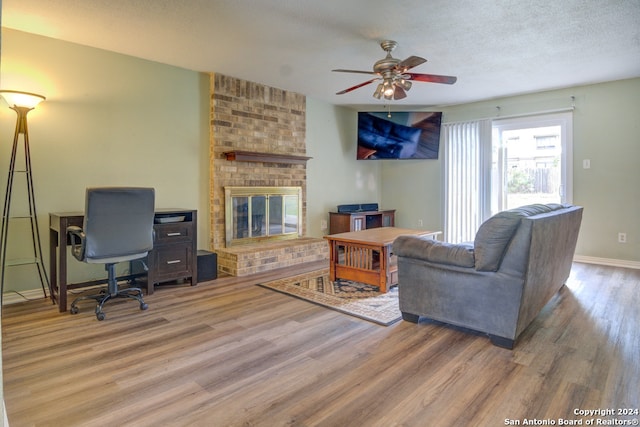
(262, 213)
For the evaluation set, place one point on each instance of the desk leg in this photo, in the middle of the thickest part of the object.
(53, 266)
(152, 268)
(62, 267)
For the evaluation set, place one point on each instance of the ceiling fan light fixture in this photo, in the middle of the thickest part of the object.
(388, 89)
(395, 75)
(404, 84)
(378, 93)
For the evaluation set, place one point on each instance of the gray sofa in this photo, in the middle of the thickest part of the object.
(499, 283)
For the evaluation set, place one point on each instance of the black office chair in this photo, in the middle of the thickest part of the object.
(118, 226)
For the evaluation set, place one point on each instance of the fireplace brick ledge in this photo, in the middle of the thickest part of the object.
(252, 156)
(244, 260)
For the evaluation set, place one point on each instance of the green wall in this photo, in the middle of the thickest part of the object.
(109, 119)
(334, 176)
(606, 130)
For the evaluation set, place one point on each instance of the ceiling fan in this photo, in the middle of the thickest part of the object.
(395, 80)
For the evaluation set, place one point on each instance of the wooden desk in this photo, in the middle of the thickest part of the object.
(174, 255)
(365, 256)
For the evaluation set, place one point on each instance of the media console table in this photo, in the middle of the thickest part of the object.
(174, 253)
(342, 222)
(365, 256)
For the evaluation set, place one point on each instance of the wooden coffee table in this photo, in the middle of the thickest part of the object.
(365, 256)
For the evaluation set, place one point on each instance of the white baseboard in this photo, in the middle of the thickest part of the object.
(11, 297)
(4, 415)
(607, 261)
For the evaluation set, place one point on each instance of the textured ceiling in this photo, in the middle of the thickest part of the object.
(494, 47)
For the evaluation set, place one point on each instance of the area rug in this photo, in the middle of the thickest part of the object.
(353, 298)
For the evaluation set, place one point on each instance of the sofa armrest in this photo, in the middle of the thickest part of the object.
(426, 249)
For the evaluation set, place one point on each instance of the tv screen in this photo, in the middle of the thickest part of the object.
(404, 135)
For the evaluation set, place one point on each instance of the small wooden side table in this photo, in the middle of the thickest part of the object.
(365, 256)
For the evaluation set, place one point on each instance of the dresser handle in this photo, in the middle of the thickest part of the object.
(175, 261)
(173, 234)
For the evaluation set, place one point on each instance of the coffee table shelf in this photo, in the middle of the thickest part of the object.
(365, 256)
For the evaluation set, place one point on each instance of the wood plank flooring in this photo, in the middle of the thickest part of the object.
(229, 353)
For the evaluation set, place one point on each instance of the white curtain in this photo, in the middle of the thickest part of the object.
(467, 157)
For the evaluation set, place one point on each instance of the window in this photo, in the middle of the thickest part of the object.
(491, 166)
(531, 161)
(547, 141)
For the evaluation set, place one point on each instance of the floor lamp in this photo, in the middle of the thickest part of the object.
(21, 103)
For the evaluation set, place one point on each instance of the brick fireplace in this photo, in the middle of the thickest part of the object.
(247, 117)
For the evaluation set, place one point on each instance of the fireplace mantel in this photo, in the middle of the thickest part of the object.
(252, 156)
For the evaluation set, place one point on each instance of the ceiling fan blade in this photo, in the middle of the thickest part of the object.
(354, 71)
(399, 93)
(410, 62)
(431, 78)
(342, 92)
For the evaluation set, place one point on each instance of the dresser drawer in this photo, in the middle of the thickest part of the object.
(174, 253)
(173, 261)
(173, 233)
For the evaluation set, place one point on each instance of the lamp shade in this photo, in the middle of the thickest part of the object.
(21, 99)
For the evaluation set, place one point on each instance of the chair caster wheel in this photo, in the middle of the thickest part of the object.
(100, 316)
(143, 306)
(74, 310)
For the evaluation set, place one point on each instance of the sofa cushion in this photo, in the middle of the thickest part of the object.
(494, 234)
(428, 249)
(536, 209)
(492, 239)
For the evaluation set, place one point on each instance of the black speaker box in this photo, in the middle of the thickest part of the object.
(369, 207)
(348, 208)
(207, 266)
(358, 208)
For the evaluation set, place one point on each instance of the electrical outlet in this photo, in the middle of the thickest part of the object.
(419, 223)
(586, 164)
(323, 224)
(622, 237)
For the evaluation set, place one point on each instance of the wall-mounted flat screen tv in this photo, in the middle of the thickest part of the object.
(404, 135)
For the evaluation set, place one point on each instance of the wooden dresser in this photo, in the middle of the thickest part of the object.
(174, 253)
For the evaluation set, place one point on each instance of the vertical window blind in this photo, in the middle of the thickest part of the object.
(467, 165)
